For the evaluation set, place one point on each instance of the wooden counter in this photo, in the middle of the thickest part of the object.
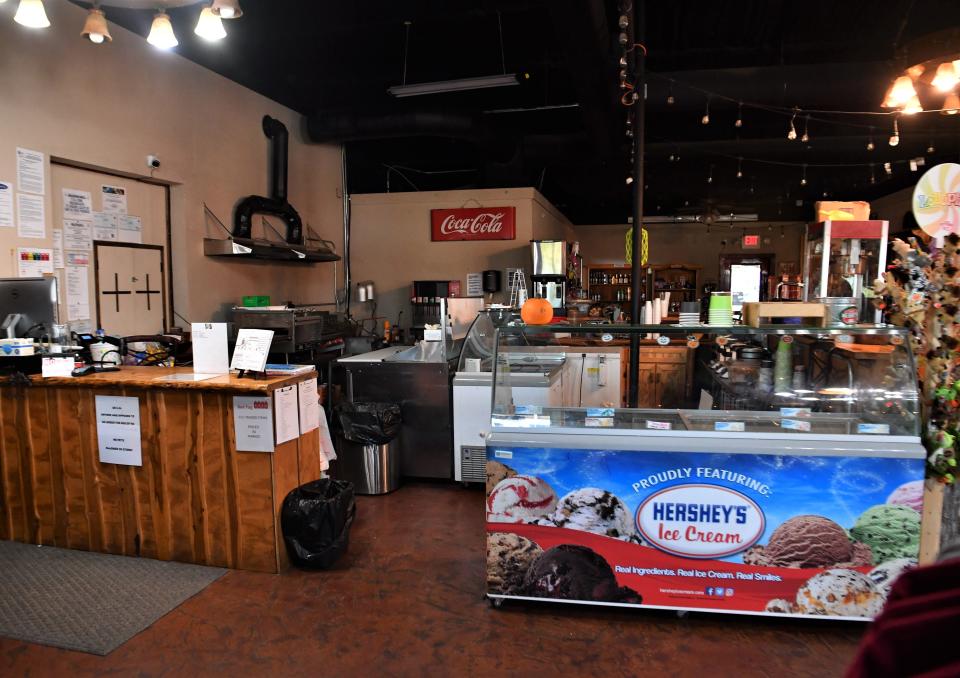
(194, 499)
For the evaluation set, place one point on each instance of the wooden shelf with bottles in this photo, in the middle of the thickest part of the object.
(608, 283)
(677, 278)
(604, 286)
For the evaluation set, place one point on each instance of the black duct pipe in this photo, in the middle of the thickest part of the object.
(275, 205)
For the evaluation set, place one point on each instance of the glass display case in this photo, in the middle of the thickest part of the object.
(841, 261)
(787, 479)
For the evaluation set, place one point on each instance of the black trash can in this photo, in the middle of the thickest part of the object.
(369, 454)
(316, 519)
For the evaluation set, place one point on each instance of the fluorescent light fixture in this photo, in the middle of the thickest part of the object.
(95, 29)
(461, 85)
(30, 13)
(161, 32)
(209, 27)
(227, 9)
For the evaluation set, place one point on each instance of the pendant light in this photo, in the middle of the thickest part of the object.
(95, 29)
(895, 137)
(227, 9)
(900, 92)
(913, 106)
(161, 32)
(209, 27)
(951, 105)
(30, 13)
(946, 78)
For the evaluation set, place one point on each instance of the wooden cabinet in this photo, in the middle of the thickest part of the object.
(665, 376)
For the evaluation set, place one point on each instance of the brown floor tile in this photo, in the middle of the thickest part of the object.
(408, 600)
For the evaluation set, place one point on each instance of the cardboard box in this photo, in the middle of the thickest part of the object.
(834, 210)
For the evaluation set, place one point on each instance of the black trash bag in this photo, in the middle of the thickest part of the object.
(316, 519)
(369, 423)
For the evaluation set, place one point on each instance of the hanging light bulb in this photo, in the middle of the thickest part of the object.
(739, 121)
(895, 137)
(95, 28)
(888, 168)
(873, 176)
(806, 125)
(931, 149)
(624, 21)
(629, 180)
(161, 32)
(946, 77)
(792, 132)
(705, 120)
(870, 144)
(227, 9)
(30, 13)
(623, 60)
(803, 176)
(913, 106)
(670, 98)
(710, 175)
(752, 187)
(740, 168)
(900, 92)
(951, 105)
(209, 27)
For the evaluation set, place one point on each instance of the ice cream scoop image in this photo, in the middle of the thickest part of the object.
(780, 605)
(909, 495)
(573, 572)
(497, 471)
(809, 541)
(520, 499)
(509, 556)
(883, 576)
(890, 531)
(840, 592)
(592, 510)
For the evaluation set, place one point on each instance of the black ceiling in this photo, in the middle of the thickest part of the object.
(336, 60)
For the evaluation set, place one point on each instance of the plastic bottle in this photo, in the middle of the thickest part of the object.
(783, 370)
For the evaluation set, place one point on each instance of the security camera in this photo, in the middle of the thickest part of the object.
(153, 162)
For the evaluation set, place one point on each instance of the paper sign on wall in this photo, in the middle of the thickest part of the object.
(288, 422)
(76, 235)
(251, 350)
(309, 405)
(6, 204)
(113, 199)
(31, 216)
(33, 263)
(58, 248)
(253, 423)
(78, 293)
(77, 204)
(129, 229)
(210, 353)
(30, 171)
(104, 226)
(118, 430)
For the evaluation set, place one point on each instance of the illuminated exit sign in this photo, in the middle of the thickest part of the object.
(751, 242)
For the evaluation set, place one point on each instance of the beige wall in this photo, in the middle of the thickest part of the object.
(390, 241)
(892, 207)
(693, 244)
(111, 105)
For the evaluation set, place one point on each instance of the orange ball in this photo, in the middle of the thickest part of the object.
(536, 312)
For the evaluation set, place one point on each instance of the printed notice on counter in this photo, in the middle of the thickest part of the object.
(105, 226)
(210, 353)
(113, 199)
(78, 293)
(309, 405)
(251, 350)
(58, 248)
(30, 171)
(118, 430)
(33, 263)
(55, 366)
(31, 216)
(288, 417)
(76, 235)
(253, 423)
(129, 229)
(77, 204)
(6, 205)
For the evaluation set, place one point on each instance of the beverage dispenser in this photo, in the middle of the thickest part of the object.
(549, 277)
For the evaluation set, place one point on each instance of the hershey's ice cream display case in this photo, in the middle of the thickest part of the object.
(790, 482)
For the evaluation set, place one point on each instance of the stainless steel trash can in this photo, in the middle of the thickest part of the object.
(373, 469)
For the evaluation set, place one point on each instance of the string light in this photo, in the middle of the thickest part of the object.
(803, 176)
(752, 186)
(930, 149)
(806, 125)
(624, 21)
(873, 176)
(739, 121)
(870, 144)
(888, 168)
(705, 120)
(792, 132)
(710, 176)
(670, 98)
(740, 168)
(895, 137)
(629, 180)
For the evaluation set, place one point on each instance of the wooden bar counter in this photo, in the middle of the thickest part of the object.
(195, 498)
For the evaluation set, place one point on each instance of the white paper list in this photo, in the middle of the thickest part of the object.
(210, 353)
(76, 235)
(6, 205)
(253, 423)
(30, 171)
(31, 216)
(118, 430)
(287, 415)
(309, 405)
(78, 293)
(77, 204)
(58, 248)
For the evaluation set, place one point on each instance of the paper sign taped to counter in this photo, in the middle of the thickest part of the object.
(253, 423)
(288, 416)
(309, 400)
(118, 430)
(326, 442)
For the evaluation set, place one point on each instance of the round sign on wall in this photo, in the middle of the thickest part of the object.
(936, 200)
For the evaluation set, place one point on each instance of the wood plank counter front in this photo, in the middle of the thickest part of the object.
(195, 498)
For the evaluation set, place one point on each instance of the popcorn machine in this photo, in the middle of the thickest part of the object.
(841, 261)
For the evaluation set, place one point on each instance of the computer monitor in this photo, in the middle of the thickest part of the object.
(34, 299)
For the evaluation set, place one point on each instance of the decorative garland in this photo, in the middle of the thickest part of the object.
(921, 292)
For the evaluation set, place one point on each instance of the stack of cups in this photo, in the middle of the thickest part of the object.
(689, 313)
(721, 309)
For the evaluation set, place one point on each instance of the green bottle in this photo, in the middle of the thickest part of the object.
(783, 370)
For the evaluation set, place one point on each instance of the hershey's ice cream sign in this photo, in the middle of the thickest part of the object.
(474, 223)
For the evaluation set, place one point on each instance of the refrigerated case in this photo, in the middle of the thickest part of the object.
(804, 500)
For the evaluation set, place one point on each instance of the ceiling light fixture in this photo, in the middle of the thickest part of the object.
(209, 26)
(161, 32)
(806, 126)
(900, 92)
(888, 168)
(670, 98)
(227, 9)
(30, 13)
(913, 106)
(739, 121)
(710, 175)
(873, 176)
(629, 180)
(740, 168)
(792, 132)
(803, 176)
(931, 149)
(705, 120)
(461, 85)
(95, 28)
(870, 144)
(895, 137)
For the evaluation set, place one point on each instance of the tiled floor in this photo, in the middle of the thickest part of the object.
(407, 600)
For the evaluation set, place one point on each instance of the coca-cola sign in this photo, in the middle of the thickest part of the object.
(474, 223)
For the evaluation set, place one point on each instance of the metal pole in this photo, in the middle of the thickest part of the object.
(635, 60)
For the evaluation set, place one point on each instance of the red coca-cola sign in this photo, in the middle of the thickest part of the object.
(474, 223)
